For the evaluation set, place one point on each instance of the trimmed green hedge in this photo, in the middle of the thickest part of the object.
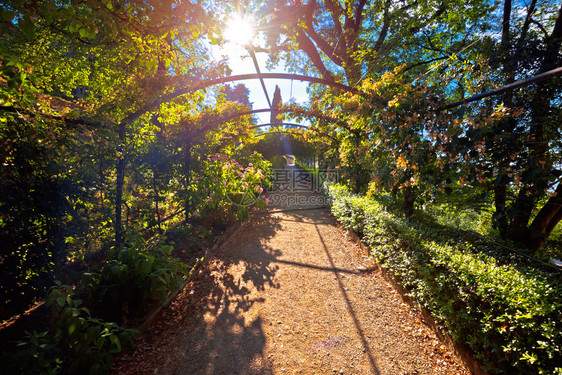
(508, 312)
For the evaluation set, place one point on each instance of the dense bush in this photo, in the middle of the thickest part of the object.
(507, 311)
(87, 318)
(138, 272)
(78, 342)
(225, 189)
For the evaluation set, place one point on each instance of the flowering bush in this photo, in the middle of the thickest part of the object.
(226, 189)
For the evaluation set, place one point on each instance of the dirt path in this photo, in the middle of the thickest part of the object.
(289, 294)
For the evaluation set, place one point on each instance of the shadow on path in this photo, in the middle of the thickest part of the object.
(360, 332)
(285, 295)
(208, 330)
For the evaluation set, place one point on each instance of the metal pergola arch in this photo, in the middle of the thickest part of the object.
(196, 85)
(274, 125)
(286, 131)
(285, 110)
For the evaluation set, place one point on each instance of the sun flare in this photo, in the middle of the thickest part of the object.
(239, 30)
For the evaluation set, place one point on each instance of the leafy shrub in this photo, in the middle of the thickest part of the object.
(87, 343)
(465, 219)
(134, 274)
(77, 342)
(225, 189)
(506, 311)
(553, 246)
(36, 354)
(86, 330)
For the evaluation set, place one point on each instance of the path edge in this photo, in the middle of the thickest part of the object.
(221, 241)
(474, 365)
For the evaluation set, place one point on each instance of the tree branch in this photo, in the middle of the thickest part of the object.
(528, 20)
(553, 42)
(385, 27)
(27, 112)
(425, 62)
(359, 15)
(540, 27)
(322, 44)
(337, 11)
(310, 49)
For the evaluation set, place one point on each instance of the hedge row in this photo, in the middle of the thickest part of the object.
(507, 312)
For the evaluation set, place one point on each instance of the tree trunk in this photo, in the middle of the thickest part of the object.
(187, 176)
(119, 185)
(509, 63)
(156, 197)
(539, 167)
(409, 200)
(500, 216)
(101, 178)
(553, 223)
(546, 220)
(160, 141)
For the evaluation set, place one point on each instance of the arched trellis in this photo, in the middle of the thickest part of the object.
(192, 85)
(273, 125)
(279, 131)
(135, 115)
(285, 131)
(321, 116)
(261, 134)
(287, 110)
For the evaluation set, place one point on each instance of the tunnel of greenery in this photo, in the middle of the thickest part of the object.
(116, 169)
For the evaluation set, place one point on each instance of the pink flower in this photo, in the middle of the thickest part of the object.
(215, 180)
(266, 201)
(224, 183)
(251, 165)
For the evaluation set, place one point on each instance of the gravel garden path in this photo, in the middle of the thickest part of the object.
(289, 293)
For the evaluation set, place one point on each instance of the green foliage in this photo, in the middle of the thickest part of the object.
(408, 62)
(40, 205)
(36, 354)
(273, 145)
(77, 342)
(506, 311)
(553, 247)
(86, 330)
(134, 274)
(69, 72)
(86, 343)
(224, 190)
(466, 219)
